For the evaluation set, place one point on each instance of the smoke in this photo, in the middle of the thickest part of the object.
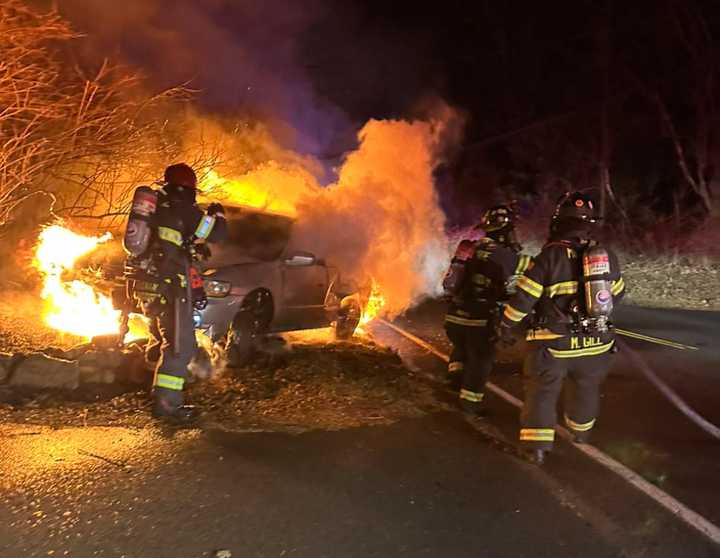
(381, 219)
(242, 56)
(259, 132)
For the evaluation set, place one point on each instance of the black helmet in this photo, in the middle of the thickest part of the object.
(575, 206)
(498, 218)
(181, 175)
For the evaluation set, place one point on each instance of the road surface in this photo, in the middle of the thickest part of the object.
(434, 486)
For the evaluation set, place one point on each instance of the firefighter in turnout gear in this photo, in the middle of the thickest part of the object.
(571, 285)
(178, 224)
(476, 284)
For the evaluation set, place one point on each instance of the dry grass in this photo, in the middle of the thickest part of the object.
(673, 283)
(313, 385)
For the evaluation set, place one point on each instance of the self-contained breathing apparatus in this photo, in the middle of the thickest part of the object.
(590, 312)
(455, 276)
(146, 291)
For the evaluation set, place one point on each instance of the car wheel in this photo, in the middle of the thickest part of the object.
(253, 319)
(347, 319)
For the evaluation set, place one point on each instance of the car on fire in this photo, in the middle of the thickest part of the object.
(256, 283)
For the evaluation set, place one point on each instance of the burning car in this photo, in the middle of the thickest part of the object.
(257, 282)
(260, 282)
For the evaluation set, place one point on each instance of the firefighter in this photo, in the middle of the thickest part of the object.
(568, 336)
(179, 223)
(475, 284)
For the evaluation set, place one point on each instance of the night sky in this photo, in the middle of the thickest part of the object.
(535, 80)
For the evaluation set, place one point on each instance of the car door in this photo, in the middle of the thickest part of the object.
(305, 284)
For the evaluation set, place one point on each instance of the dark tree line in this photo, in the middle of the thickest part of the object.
(617, 96)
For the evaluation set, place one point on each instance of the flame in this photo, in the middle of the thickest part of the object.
(373, 307)
(270, 188)
(74, 306)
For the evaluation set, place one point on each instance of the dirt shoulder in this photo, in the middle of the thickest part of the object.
(307, 384)
(666, 284)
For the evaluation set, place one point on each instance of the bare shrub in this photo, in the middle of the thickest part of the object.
(80, 140)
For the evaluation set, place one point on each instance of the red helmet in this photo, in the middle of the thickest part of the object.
(181, 175)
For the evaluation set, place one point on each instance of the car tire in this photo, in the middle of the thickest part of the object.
(253, 319)
(240, 341)
(347, 320)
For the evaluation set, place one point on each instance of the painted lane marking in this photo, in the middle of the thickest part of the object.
(675, 507)
(656, 340)
(497, 390)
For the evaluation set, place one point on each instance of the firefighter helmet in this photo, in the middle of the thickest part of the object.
(497, 218)
(575, 206)
(181, 174)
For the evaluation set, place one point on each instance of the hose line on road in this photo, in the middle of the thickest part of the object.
(669, 394)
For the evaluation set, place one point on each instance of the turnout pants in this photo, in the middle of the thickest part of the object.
(584, 361)
(472, 356)
(172, 367)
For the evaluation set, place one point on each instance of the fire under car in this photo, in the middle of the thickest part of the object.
(256, 283)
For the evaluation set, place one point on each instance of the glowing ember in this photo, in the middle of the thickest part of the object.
(72, 306)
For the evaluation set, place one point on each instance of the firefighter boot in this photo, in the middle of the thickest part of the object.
(454, 380)
(177, 415)
(581, 437)
(534, 456)
(473, 409)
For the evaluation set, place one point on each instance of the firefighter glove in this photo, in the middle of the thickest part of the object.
(215, 210)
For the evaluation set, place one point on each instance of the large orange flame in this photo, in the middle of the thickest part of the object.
(72, 306)
(270, 189)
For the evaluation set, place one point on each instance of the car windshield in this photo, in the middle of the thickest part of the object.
(258, 236)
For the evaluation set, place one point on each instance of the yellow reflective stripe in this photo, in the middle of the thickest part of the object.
(579, 426)
(618, 286)
(170, 235)
(537, 434)
(530, 287)
(169, 382)
(513, 315)
(465, 321)
(455, 366)
(205, 227)
(523, 264)
(589, 351)
(542, 334)
(472, 396)
(566, 287)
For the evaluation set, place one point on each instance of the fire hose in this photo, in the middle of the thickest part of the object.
(668, 392)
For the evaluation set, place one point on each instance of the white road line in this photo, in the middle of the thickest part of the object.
(678, 509)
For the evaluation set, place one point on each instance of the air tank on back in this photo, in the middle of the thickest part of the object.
(597, 282)
(138, 231)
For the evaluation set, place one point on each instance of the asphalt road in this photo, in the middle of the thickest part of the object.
(436, 486)
(638, 426)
